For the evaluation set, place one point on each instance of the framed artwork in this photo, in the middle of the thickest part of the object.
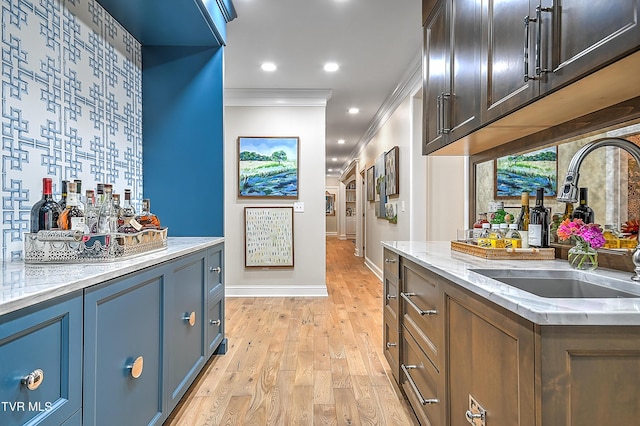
(268, 237)
(392, 212)
(381, 195)
(371, 184)
(330, 204)
(391, 171)
(518, 173)
(268, 167)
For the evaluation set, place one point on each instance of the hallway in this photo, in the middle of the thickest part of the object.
(302, 361)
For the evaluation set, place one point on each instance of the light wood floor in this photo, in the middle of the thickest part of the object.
(302, 361)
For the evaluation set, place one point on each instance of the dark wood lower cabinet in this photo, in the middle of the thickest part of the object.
(518, 372)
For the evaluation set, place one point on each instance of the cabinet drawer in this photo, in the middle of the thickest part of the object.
(391, 347)
(215, 263)
(215, 323)
(390, 299)
(421, 383)
(391, 262)
(422, 309)
(44, 343)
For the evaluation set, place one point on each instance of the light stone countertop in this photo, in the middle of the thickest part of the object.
(454, 266)
(24, 285)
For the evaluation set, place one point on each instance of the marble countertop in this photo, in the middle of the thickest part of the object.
(23, 285)
(458, 268)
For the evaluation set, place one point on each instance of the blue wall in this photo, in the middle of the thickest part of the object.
(183, 138)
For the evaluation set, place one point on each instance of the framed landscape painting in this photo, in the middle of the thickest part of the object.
(268, 167)
(516, 174)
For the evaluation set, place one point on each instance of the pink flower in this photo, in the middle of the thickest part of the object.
(577, 229)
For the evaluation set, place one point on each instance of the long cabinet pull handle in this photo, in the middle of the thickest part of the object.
(539, 10)
(445, 117)
(527, 20)
(407, 297)
(439, 114)
(390, 261)
(423, 401)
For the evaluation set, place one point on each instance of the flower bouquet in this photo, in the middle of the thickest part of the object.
(587, 238)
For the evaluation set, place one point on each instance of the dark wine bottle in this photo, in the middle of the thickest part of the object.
(44, 214)
(583, 211)
(539, 220)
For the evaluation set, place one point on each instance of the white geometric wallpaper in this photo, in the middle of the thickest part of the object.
(71, 105)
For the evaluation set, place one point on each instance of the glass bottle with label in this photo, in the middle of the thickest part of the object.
(44, 214)
(147, 219)
(72, 217)
(107, 218)
(583, 211)
(63, 198)
(539, 221)
(496, 236)
(513, 239)
(523, 219)
(483, 238)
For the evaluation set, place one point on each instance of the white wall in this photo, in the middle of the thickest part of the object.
(307, 277)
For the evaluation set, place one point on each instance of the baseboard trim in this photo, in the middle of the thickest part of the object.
(332, 234)
(276, 291)
(372, 266)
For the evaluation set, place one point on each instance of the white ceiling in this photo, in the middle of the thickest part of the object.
(373, 41)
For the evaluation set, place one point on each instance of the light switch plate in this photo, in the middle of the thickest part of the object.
(298, 207)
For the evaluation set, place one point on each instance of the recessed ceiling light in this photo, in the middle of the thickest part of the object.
(329, 170)
(341, 141)
(334, 159)
(354, 110)
(268, 66)
(331, 67)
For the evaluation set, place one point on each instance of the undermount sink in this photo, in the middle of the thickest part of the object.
(558, 284)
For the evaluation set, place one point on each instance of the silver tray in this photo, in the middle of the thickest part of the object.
(76, 247)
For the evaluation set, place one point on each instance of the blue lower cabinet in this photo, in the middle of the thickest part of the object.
(215, 260)
(185, 316)
(41, 363)
(123, 351)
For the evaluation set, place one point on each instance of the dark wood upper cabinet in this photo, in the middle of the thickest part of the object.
(483, 61)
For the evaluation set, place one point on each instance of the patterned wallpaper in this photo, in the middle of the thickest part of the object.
(71, 105)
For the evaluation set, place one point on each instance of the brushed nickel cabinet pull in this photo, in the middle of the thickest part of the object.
(423, 401)
(406, 296)
(215, 322)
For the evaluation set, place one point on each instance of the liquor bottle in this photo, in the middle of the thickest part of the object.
(523, 219)
(63, 198)
(44, 214)
(568, 211)
(147, 219)
(583, 211)
(91, 212)
(107, 218)
(116, 204)
(81, 200)
(127, 223)
(539, 221)
(72, 217)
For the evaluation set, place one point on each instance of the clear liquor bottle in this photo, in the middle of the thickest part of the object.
(108, 217)
(127, 223)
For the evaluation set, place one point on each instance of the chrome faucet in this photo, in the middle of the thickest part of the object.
(570, 189)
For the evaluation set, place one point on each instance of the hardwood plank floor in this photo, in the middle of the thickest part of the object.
(302, 361)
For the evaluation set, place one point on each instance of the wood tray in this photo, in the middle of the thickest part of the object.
(504, 254)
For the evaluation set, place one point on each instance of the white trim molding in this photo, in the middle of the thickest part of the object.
(277, 97)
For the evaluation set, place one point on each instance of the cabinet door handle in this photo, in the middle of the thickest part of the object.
(390, 261)
(391, 345)
(438, 114)
(407, 296)
(215, 322)
(527, 20)
(33, 380)
(423, 401)
(474, 416)
(446, 97)
(135, 368)
(190, 318)
(539, 10)
(389, 297)
(217, 270)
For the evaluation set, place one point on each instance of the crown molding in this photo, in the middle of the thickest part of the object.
(409, 84)
(276, 97)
